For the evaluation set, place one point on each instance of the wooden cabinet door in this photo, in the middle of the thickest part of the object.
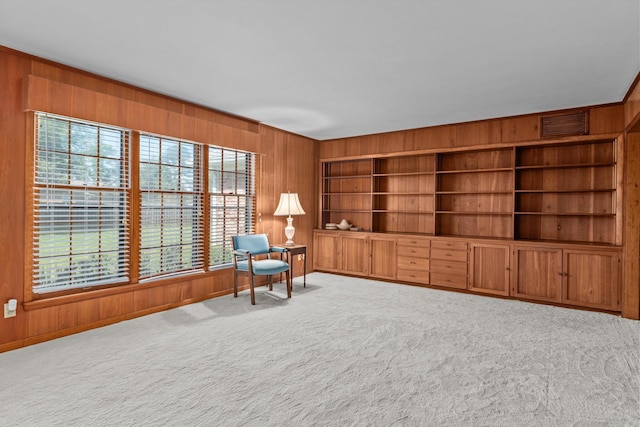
(537, 273)
(591, 279)
(489, 268)
(382, 257)
(326, 251)
(355, 255)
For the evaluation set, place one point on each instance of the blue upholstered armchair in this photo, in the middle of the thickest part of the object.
(252, 257)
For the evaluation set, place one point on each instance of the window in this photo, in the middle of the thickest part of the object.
(84, 199)
(80, 204)
(232, 200)
(171, 214)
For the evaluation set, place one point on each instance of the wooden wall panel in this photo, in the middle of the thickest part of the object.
(478, 133)
(288, 164)
(110, 307)
(68, 316)
(434, 137)
(202, 287)
(38, 84)
(631, 233)
(331, 149)
(604, 120)
(12, 189)
(88, 311)
(60, 98)
(632, 105)
(516, 129)
(43, 321)
(608, 119)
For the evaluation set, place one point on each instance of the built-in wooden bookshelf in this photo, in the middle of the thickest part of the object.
(403, 194)
(475, 193)
(566, 192)
(346, 192)
(562, 192)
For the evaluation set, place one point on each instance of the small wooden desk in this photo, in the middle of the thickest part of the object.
(292, 251)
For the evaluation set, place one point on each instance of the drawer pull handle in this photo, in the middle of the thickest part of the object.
(448, 255)
(413, 262)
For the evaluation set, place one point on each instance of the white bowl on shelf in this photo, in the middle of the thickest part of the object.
(344, 225)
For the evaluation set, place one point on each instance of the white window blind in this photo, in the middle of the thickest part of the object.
(80, 204)
(171, 193)
(232, 200)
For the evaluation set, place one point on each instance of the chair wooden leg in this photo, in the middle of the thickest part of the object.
(235, 284)
(288, 275)
(270, 280)
(253, 291)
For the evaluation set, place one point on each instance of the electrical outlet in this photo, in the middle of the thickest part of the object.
(7, 312)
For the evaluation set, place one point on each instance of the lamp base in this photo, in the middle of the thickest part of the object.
(289, 231)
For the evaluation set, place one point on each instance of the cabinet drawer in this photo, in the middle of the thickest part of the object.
(409, 241)
(413, 251)
(449, 255)
(413, 263)
(413, 276)
(458, 281)
(453, 267)
(449, 244)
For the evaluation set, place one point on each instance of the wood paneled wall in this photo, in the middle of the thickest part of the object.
(616, 120)
(631, 232)
(603, 120)
(286, 162)
(632, 105)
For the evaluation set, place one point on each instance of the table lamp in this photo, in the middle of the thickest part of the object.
(289, 205)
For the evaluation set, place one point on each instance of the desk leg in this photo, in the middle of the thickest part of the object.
(305, 269)
(291, 259)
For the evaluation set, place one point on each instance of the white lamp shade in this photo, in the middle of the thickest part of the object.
(289, 205)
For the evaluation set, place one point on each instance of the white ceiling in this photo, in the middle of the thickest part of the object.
(336, 68)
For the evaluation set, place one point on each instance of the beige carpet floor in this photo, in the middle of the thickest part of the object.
(341, 352)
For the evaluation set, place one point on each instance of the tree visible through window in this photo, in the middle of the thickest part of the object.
(171, 223)
(80, 212)
(232, 200)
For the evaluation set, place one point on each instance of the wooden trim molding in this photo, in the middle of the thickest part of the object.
(51, 96)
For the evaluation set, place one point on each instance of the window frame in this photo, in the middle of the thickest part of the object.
(47, 229)
(132, 204)
(222, 239)
(166, 193)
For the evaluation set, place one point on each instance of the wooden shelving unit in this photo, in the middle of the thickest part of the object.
(554, 192)
(475, 193)
(539, 221)
(346, 192)
(566, 192)
(403, 194)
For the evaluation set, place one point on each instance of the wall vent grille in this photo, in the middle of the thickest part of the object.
(572, 124)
